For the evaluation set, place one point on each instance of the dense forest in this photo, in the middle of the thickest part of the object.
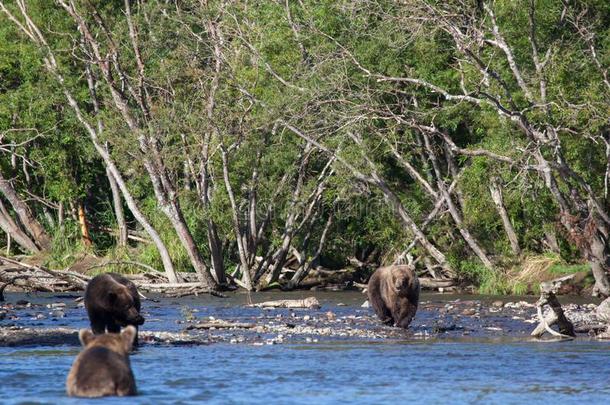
(253, 142)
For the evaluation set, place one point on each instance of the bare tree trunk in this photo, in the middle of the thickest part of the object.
(216, 254)
(392, 199)
(241, 245)
(496, 196)
(60, 215)
(31, 224)
(140, 128)
(599, 266)
(304, 269)
(10, 227)
(550, 238)
(32, 31)
(289, 227)
(84, 227)
(118, 209)
(453, 209)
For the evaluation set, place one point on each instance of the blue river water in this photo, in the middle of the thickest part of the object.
(333, 371)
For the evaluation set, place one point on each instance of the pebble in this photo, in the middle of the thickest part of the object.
(56, 305)
(23, 302)
(365, 304)
(497, 304)
(58, 313)
(469, 312)
(306, 318)
(40, 316)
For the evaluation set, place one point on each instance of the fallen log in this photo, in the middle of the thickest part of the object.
(428, 282)
(7, 283)
(75, 280)
(307, 303)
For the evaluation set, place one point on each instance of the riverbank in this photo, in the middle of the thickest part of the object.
(53, 319)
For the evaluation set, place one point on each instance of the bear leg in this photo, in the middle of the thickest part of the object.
(382, 311)
(98, 326)
(404, 314)
(113, 327)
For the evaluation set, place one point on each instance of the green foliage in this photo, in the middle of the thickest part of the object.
(335, 73)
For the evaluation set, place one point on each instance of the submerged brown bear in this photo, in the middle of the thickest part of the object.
(103, 368)
(112, 301)
(394, 293)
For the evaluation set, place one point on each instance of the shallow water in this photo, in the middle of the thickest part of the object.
(497, 367)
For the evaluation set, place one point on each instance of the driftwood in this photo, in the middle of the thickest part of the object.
(74, 280)
(9, 282)
(427, 282)
(556, 316)
(307, 303)
(39, 278)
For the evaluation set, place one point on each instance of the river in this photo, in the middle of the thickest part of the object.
(485, 358)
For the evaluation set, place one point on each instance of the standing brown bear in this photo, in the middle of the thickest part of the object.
(112, 301)
(103, 367)
(394, 293)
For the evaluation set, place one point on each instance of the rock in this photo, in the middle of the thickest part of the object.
(603, 311)
(40, 316)
(365, 304)
(330, 316)
(469, 312)
(58, 313)
(22, 302)
(497, 304)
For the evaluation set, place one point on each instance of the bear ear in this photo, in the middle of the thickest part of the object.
(85, 336)
(128, 335)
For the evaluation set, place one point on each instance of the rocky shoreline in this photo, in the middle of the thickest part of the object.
(57, 320)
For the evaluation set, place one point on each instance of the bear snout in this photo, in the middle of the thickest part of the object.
(133, 317)
(139, 320)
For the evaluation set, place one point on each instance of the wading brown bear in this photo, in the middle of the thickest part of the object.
(103, 368)
(112, 301)
(394, 293)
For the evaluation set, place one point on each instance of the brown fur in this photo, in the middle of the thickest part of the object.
(393, 293)
(112, 301)
(103, 368)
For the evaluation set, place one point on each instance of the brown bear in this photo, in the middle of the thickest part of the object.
(394, 293)
(112, 301)
(103, 368)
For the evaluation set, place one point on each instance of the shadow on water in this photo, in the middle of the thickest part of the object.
(447, 357)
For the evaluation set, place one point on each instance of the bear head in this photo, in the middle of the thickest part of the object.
(120, 343)
(123, 307)
(403, 281)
